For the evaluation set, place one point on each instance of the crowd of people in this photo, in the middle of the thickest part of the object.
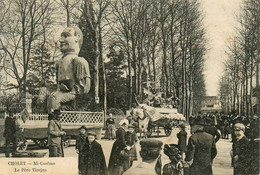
(244, 133)
(193, 155)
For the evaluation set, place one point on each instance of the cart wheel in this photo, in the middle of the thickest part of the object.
(41, 142)
(168, 130)
(22, 145)
(66, 141)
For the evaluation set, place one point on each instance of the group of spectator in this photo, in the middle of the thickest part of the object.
(198, 154)
(244, 133)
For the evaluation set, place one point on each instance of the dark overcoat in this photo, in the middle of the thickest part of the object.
(94, 159)
(131, 139)
(117, 162)
(202, 149)
(80, 143)
(182, 140)
(241, 149)
(10, 128)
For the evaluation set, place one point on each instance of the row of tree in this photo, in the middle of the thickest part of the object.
(239, 86)
(129, 44)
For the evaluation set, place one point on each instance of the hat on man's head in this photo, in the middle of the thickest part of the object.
(50, 116)
(150, 149)
(151, 143)
(56, 112)
(83, 127)
(91, 133)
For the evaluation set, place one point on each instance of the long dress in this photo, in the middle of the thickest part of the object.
(110, 130)
(118, 163)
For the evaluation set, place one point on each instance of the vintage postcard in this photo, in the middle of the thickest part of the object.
(129, 87)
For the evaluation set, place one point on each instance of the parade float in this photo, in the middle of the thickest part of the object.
(73, 83)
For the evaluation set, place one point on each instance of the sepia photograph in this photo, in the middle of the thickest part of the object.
(129, 87)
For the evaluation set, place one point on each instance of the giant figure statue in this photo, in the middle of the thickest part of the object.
(73, 76)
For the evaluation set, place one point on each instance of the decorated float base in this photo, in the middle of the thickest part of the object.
(35, 127)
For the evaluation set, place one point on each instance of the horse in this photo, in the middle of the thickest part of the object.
(142, 119)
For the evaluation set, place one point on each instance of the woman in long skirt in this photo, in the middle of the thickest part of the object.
(119, 162)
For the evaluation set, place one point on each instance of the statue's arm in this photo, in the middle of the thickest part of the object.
(82, 75)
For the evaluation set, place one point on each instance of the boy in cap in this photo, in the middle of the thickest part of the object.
(80, 142)
(94, 159)
(150, 153)
(240, 150)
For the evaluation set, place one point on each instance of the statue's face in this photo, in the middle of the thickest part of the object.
(68, 41)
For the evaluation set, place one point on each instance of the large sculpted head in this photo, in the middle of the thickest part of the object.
(71, 40)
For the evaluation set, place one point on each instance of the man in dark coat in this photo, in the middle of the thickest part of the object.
(94, 159)
(9, 134)
(118, 162)
(182, 138)
(240, 150)
(202, 149)
(55, 134)
(211, 129)
(80, 143)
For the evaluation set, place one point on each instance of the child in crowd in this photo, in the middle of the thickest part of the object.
(94, 159)
(80, 142)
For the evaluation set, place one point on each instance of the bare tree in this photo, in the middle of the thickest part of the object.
(20, 35)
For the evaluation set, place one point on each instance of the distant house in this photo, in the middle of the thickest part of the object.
(211, 104)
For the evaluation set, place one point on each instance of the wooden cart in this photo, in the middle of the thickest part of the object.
(36, 125)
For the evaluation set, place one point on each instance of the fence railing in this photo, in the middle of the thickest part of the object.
(66, 117)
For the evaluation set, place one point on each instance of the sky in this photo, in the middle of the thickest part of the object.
(220, 23)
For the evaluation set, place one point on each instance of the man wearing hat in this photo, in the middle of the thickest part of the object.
(150, 153)
(211, 129)
(240, 150)
(9, 134)
(55, 134)
(202, 149)
(94, 159)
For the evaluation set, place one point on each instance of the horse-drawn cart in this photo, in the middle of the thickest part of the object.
(35, 126)
(151, 119)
